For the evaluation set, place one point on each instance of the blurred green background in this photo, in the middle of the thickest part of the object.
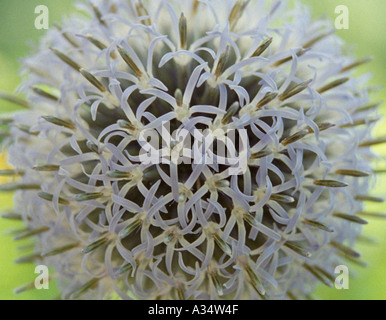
(366, 35)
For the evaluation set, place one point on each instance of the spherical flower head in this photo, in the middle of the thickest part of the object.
(192, 150)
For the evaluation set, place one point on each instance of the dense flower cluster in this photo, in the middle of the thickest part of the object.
(112, 224)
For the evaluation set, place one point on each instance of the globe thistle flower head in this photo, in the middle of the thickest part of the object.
(116, 213)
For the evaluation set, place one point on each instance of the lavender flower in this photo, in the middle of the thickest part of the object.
(110, 223)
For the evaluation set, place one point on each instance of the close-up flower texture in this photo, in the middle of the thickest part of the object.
(111, 225)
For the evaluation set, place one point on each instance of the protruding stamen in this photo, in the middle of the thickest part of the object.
(311, 42)
(83, 289)
(119, 174)
(18, 186)
(66, 59)
(141, 11)
(124, 233)
(352, 173)
(59, 122)
(179, 97)
(26, 129)
(67, 36)
(29, 258)
(124, 269)
(94, 81)
(222, 62)
(321, 276)
(261, 154)
(298, 249)
(11, 172)
(183, 28)
(360, 122)
(369, 198)
(125, 56)
(47, 167)
(13, 99)
(12, 216)
(255, 282)
(50, 197)
(222, 244)
(231, 112)
(318, 225)
(376, 215)
(333, 84)
(369, 106)
(345, 250)
(30, 233)
(282, 198)
(60, 250)
(299, 53)
(95, 245)
(261, 48)
(356, 64)
(217, 284)
(374, 142)
(98, 14)
(99, 45)
(330, 183)
(294, 91)
(237, 12)
(88, 196)
(295, 137)
(44, 94)
(92, 146)
(267, 99)
(350, 218)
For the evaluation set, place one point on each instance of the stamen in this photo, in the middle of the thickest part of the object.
(298, 249)
(66, 59)
(50, 197)
(350, 218)
(141, 11)
(319, 275)
(13, 99)
(44, 94)
(18, 186)
(264, 46)
(59, 122)
(318, 225)
(94, 81)
(125, 56)
(267, 99)
(345, 250)
(352, 173)
(317, 39)
(221, 62)
(356, 64)
(88, 196)
(222, 244)
(27, 233)
(330, 183)
(370, 199)
(231, 112)
(183, 31)
(295, 137)
(333, 85)
(99, 45)
(83, 289)
(261, 154)
(98, 14)
(47, 167)
(95, 245)
(374, 142)
(60, 250)
(294, 91)
(11, 172)
(282, 198)
(124, 233)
